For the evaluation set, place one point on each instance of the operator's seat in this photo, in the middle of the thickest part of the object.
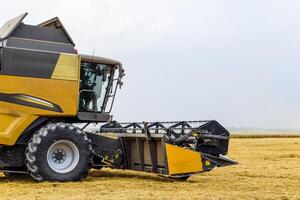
(87, 97)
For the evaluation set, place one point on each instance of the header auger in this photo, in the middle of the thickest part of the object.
(50, 94)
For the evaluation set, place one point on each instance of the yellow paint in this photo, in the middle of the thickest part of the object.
(207, 163)
(61, 92)
(195, 134)
(67, 67)
(12, 125)
(181, 160)
(15, 118)
(62, 89)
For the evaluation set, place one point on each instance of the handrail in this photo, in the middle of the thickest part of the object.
(119, 83)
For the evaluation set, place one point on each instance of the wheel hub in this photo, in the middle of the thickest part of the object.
(63, 156)
(59, 156)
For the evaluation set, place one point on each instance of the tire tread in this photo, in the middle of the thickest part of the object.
(34, 145)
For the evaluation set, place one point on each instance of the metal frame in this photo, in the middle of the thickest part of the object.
(92, 116)
(182, 133)
(140, 142)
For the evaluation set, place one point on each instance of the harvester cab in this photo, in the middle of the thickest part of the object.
(98, 86)
(50, 94)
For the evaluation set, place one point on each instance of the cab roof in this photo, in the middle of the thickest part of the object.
(97, 59)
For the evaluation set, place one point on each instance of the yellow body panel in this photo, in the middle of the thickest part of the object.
(181, 160)
(61, 91)
(12, 125)
(66, 67)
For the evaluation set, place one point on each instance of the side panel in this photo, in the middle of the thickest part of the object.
(181, 160)
(67, 68)
(23, 99)
(28, 63)
(62, 93)
(12, 125)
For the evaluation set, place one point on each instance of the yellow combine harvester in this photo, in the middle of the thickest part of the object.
(50, 94)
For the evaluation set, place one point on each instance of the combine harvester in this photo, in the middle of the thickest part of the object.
(47, 89)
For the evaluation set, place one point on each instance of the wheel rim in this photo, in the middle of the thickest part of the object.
(63, 156)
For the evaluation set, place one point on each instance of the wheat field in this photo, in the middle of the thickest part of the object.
(269, 168)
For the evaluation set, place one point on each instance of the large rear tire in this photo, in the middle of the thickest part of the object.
(59, 152)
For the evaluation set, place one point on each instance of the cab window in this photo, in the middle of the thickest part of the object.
(94, 80)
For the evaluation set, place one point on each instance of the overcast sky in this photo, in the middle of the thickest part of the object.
(229, 60)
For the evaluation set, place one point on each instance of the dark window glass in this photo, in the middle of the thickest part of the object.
(94, 79)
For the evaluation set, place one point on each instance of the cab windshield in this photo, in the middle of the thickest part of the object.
(95, 81)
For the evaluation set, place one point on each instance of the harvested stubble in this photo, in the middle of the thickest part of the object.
(269, 169)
